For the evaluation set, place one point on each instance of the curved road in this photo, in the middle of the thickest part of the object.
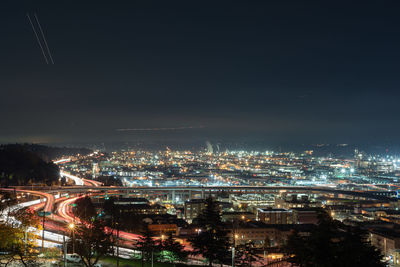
(48, 206)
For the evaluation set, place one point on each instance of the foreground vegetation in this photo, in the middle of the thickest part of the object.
(137, 262)
(332, 244)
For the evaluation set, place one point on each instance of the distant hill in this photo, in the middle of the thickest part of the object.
(20, 166)
(48, 153)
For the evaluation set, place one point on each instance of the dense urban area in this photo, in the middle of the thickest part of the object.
(234, 208)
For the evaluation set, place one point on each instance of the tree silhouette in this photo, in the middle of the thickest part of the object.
(19, 166)
(92, 241)
(212, 240)
(147, 245)
(85, 209)
(332, 244)
(246, 255)
(17, 239)
(172, 250)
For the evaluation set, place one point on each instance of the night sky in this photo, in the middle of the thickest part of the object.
(256, 71)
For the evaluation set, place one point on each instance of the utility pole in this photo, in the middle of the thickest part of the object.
(65, 251)
(118, 242)
(71, 226)
(234, 236)
(233, 256)
(44, 219)
(26, 240)
(73, 241)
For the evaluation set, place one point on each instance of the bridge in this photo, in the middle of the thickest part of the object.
(204, 191)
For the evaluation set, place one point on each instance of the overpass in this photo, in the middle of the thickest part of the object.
(189, 191)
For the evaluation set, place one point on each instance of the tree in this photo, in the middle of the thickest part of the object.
(63, 181)
(172, 250)
(332, 244)
(17, 239)
(19, 166)
(246, 254)
(92, 241)
(296, 250)
(147, 245)
(111, 212)
(355, 249)
(112, 218)
(85, 209)
(212, 240)
(7, 200)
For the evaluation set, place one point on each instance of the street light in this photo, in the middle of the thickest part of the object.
(71, 226)
(64, 250)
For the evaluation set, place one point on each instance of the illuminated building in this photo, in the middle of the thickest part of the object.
(193, 208)
(275, 216)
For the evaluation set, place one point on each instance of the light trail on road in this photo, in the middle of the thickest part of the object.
(64, 209)
(48, 207)
(61, 161)
(81, 181)
(36, 205)
(92, 182)
(77, 180)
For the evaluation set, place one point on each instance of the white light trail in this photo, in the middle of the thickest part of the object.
(62, 161)
(44, 39)
(77, 180)
(37, 38)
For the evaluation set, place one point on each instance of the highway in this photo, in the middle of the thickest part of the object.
(64, 210)
(77, 180)
(80, 181)
(206, 190)
(46, 203)
(49, 198)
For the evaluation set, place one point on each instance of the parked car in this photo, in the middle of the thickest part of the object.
(73, 258)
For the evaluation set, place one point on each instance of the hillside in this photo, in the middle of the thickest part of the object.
(19, 166)
(48, 153)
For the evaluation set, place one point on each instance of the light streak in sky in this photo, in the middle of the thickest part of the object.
(159, 129)
(44, 47)
(44, 39)
(37, 38)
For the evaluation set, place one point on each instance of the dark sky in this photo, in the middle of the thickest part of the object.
(273, 71)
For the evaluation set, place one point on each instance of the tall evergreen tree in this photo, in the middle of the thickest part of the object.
(92, 241)
(246, 255)
(332, 244)
(147, 245)
(85, 209)
(212, 241)
(172, 250)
